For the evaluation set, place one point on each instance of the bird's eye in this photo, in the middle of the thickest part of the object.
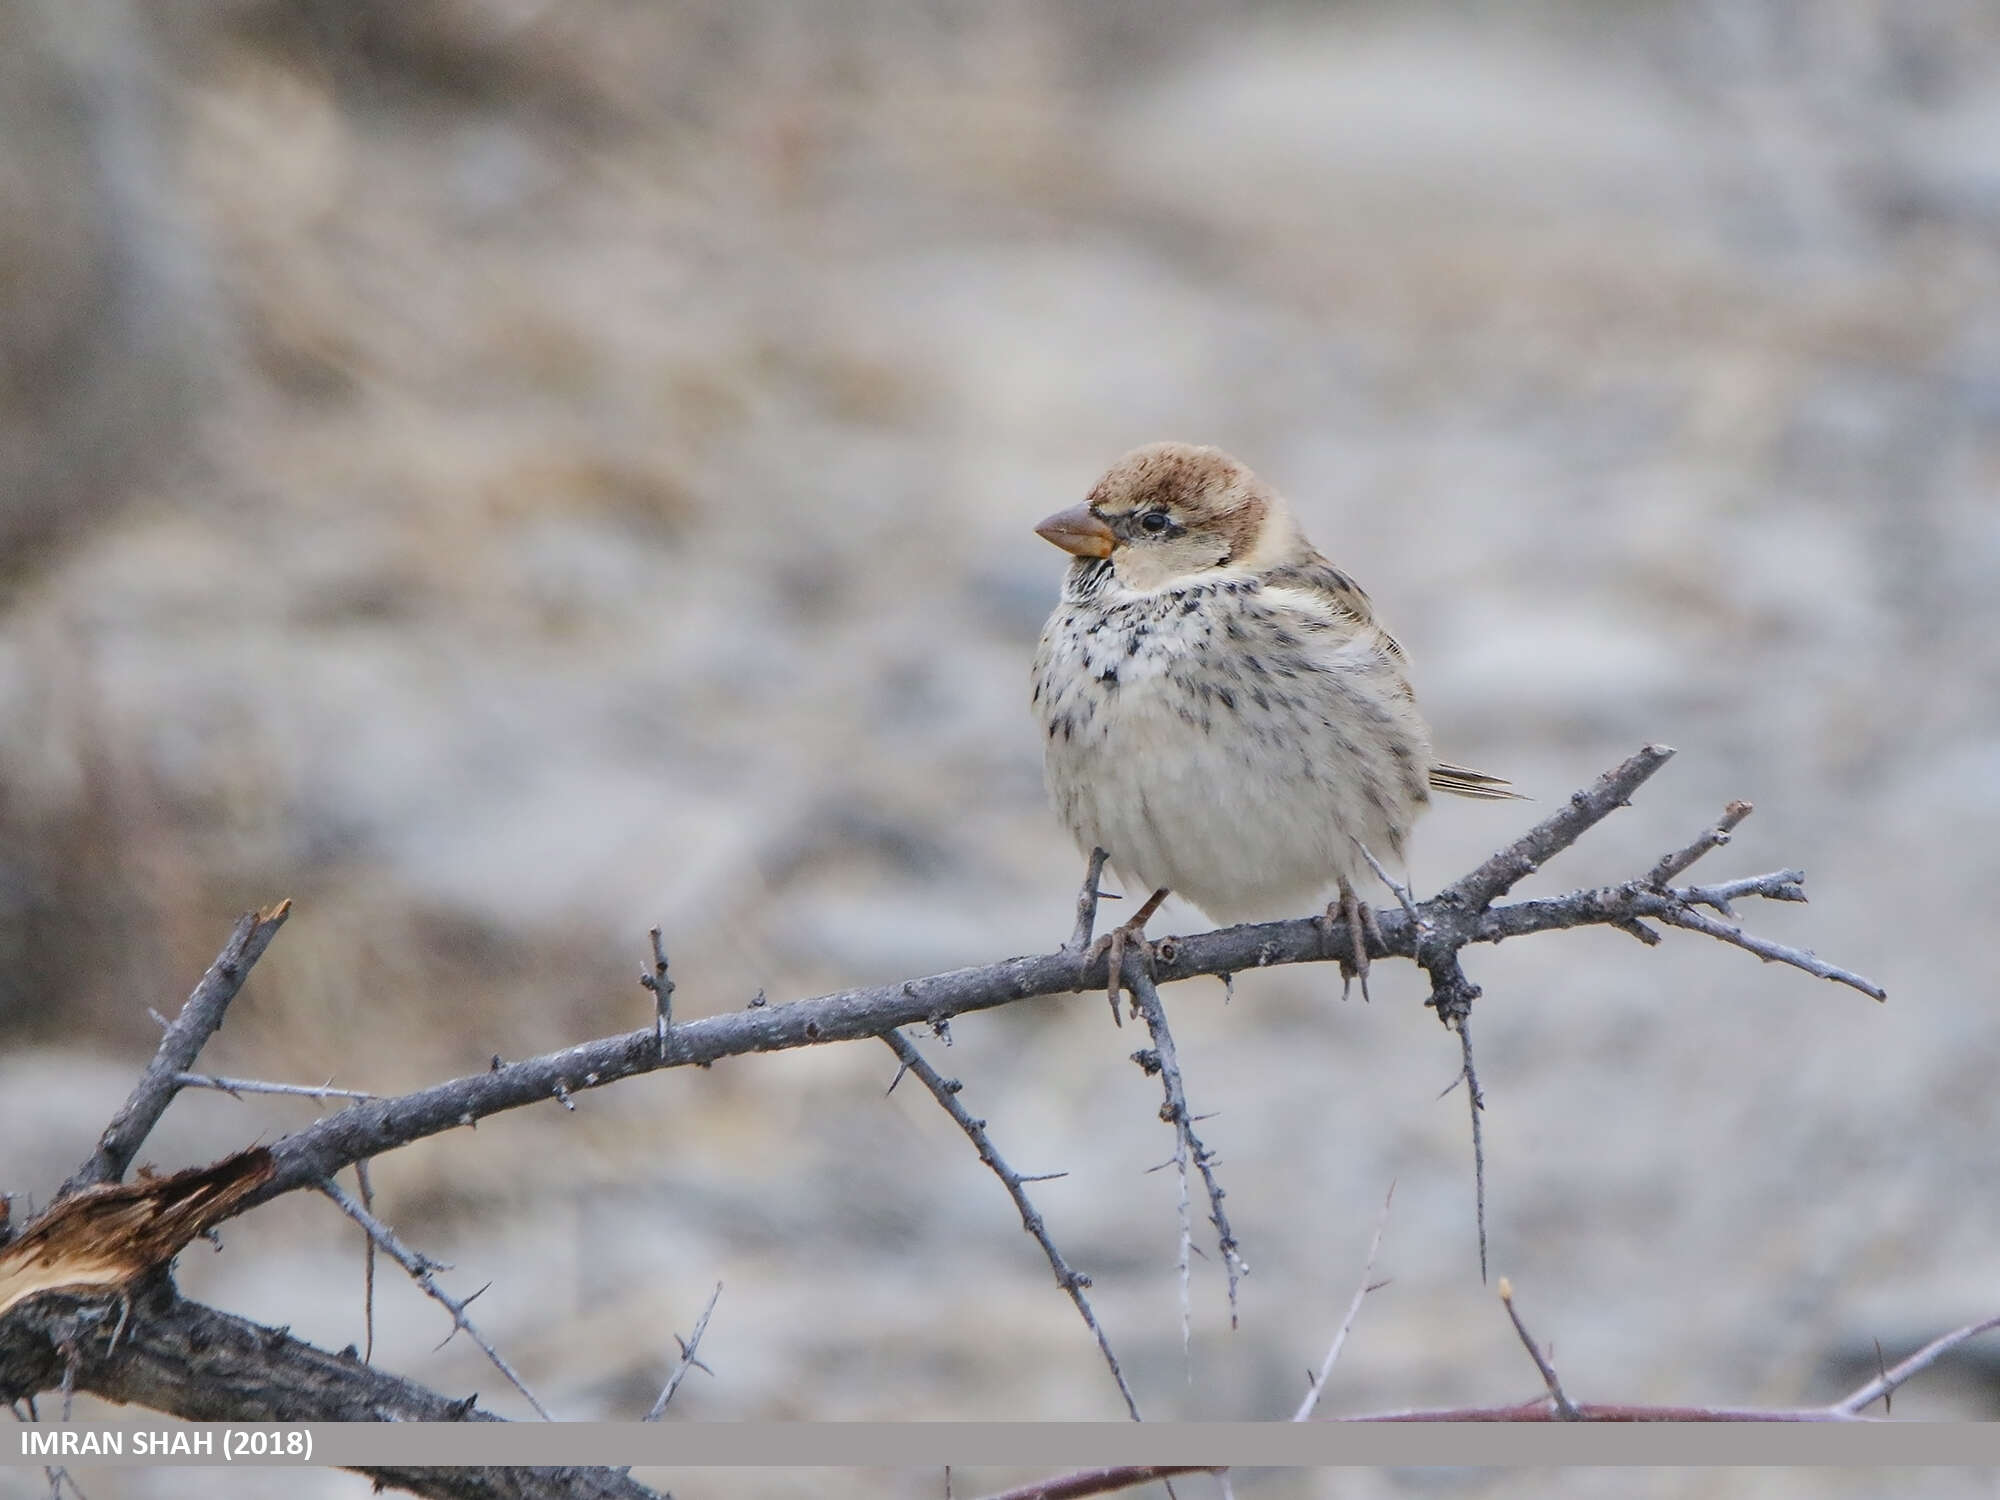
(1155, 521)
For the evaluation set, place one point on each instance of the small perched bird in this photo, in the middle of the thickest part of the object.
(1222, 713)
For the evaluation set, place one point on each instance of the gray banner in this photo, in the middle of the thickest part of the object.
(1055, 1444)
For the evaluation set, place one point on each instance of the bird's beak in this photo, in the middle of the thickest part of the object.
(1077, 530)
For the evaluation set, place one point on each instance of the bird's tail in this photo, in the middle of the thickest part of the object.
(1461, 782)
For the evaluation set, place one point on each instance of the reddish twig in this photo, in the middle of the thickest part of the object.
(1086, 1482)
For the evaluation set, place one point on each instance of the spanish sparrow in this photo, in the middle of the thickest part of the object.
(1222, 713)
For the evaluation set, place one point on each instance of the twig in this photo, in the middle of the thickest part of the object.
(241, 1086)
(1557, 832)
(945, 1091)
(1770, 952)
(687, 1360)
(1779, 885)
(1318, 1384)
(1086, 1482)
(1476, 1102)
(1176, 1113)
(1401, 891)
(1086, 903)
(1184, 1258)
(1672, 864)
(367, 1265)
(420, 1268)
(1923, 1359)
(182, 1043)
(662, 986)
(1562, 1405)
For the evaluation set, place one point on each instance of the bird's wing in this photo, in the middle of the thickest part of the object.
(1320, 582)
(1327, 585)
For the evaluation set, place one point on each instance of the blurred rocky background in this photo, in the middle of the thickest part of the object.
(504, 474)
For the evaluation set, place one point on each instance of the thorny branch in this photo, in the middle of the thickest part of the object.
(945, 1091)
(1456, 918)
(1878, 1389)
(1163, 1060)
(1433, 933)
(420, 1268)
(688, 1360)
(1476, 1103)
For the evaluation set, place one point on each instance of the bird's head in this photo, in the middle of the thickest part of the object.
(1169, 512)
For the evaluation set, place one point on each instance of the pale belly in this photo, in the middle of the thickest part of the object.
(1246, 796)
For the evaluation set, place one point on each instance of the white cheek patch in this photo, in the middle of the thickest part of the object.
(1144, 566)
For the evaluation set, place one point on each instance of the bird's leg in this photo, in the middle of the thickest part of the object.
(1372, 927)
(1361, 926)
(1113, 944)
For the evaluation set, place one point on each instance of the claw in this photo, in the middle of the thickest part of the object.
(1115, 969)
(1112, 946)
(1361, 927)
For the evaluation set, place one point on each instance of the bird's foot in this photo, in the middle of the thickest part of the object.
(1362, 929)
(1112, 945)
